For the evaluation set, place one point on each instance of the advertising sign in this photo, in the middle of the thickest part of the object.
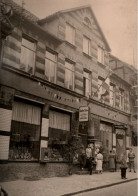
(83, 113)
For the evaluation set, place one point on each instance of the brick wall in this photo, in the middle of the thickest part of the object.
(13, 171)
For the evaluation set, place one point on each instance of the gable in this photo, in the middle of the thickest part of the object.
(82, 15)
(85, 17)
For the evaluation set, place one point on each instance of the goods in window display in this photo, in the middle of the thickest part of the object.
(20, 153)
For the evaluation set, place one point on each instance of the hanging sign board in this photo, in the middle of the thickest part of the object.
(83, 114)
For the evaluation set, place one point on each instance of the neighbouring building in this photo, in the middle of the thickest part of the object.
(51, 69)
(129, 74)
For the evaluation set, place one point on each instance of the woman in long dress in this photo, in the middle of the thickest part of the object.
(111, 161)
(99, 163)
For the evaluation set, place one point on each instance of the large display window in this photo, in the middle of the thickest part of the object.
(59, 131)
(25, 132)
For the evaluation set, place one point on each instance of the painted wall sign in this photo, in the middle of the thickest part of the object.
(83, 113)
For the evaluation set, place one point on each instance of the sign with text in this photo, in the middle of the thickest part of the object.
(83, 113)
(120, 127)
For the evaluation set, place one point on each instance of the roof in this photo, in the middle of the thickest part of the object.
(120, 78)
(124, 63)
(17, 9)
(20, 10)
(56, 14)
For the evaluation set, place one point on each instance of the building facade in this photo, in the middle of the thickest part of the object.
(129, 74)
(52, 68)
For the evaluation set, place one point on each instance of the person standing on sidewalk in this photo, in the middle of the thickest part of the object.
(82, 157)
(123, 166)
(131, 157)
(89, 158)
(111, 161)
(99, 163)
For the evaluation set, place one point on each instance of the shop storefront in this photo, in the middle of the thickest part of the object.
(58, 134)
(25, 132)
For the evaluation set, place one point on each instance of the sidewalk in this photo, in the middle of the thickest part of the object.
(71, 185)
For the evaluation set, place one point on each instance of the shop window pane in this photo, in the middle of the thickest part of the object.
(24, 141)
(59, 120)
(59, 131)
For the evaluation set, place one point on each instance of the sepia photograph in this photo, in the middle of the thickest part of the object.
(68, 98)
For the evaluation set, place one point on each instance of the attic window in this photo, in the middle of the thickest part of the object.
(87, 22)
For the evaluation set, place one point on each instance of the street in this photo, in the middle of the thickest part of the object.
(125, 189)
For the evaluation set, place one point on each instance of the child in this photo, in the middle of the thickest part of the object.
(123, 166)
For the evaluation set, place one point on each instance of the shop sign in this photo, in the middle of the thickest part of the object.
(120, 127)
(83, 113)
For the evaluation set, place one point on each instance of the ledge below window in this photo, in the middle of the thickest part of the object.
(87, 55)
(101, 65)
(70, 44)
(52, 161)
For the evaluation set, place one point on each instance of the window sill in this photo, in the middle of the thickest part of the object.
(71, 45)
(87, 55)
(86, 25)
(52, 161)
(23, 161)
(101, 65)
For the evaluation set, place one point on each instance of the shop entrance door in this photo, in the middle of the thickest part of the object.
(120, 142)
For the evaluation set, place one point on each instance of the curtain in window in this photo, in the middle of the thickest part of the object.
(50, 70)
(27, 59)
(87, 84)
(59, 120)
(23, 112)
(68, 79)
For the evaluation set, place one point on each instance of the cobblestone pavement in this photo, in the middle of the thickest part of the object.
(57, 186)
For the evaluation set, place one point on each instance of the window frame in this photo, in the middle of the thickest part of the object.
(100, 90)
(88, 45)
(101, 55)
(31, 40)
(55, 64)
(73, 73)
(70, 29)
(114, 94)
(121, 98)
(85, 78)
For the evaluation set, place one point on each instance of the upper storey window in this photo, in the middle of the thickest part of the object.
(112, 95)
(100, 55)
(121, 99)
(50, 66)
(28, 49)
(69, 75)
(70, 34)
(86, 45)
(87, 83)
